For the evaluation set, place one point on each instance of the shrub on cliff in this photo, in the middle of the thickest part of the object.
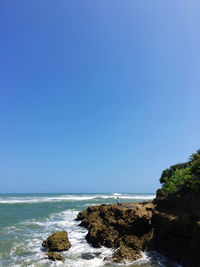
(183, 177)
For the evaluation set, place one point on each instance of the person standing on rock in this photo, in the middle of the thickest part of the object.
(117, 201)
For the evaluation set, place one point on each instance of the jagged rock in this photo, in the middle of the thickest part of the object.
(99, 235)
(124, 253)
(54, 256)
(57, 242)
(127, 227)
(170, 225)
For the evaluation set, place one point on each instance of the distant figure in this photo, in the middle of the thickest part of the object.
(117, 201)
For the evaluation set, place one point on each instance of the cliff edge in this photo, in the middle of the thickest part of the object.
(176, 223)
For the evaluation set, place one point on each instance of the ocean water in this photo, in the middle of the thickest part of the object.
(27, 219)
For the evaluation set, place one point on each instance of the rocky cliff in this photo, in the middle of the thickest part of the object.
(170, 224)
(176, 223)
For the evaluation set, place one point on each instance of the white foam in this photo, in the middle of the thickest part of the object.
(36, 199)
(156, 259)
(27, 250)
(14, 200)
(138, 197)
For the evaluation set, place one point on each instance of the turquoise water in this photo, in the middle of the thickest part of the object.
(27, 219)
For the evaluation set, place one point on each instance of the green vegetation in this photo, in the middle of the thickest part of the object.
(183, 177)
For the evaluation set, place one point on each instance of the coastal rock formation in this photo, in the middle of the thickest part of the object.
(58, 241)
(170, 224)
(54, 256)
(126, 228)
(176, 224)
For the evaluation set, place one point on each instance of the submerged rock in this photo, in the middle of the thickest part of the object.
(87, 256)
(54, 256)
(58, 241)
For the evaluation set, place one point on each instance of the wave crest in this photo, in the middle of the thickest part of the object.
(63, 198)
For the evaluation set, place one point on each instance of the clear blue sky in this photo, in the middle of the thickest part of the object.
(97, 96)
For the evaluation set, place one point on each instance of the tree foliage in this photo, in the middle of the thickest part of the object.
(183, 177)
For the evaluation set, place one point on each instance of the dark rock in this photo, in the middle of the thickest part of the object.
(54, 256)
(176, 222)
(107, 259)
(57, 242)
(87, 256)
(97, 254)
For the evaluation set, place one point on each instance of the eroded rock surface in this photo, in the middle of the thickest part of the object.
(125, 253)
(58, 241)
(127, 228)
(170, 224)
(54, 256)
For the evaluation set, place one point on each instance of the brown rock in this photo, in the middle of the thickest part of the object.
(170, 224)
(124, 253)
(127, 227)
(95, 233)
(54, 256)
(57, 242)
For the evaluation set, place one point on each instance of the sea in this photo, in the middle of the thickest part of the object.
(27, 219)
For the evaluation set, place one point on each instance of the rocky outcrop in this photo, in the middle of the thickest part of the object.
(54, 256)
(126, 228)
(176, 224)
(58, 241)
(170, 224)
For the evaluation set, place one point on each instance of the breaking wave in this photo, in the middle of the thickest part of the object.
(61, 198)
